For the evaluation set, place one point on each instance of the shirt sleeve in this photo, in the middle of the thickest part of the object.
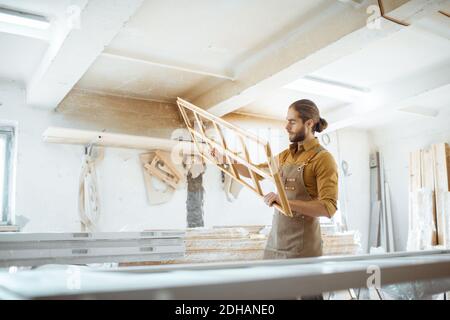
(327, 182)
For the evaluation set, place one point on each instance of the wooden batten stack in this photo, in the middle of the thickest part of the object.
(429, 203)
(247, 243)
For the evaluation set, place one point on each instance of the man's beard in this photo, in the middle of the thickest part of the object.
(299, 136)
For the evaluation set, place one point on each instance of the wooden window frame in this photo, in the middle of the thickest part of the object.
(199, 137)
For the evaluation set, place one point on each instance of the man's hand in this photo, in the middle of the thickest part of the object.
(220, 159)
(272, 198)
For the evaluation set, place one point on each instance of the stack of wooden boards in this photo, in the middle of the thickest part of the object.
(429, 197)
(246, 243)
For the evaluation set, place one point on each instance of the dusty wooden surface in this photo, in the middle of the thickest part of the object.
(245, 243)
(94, 111)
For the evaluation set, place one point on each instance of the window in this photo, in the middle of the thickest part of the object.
(7, 172)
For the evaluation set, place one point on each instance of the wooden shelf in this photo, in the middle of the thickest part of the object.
(106, 139)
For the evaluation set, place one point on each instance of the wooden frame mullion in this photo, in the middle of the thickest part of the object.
(203, 133)
(232, 155)
(224, 145)
(273, 168)
(190, 127)
(252, 174)
(273, 174)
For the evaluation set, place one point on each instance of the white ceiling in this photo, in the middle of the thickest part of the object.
(275, 104)
(437, 101)
(138, 80)
(173, 48)
(19, 56)
(49, 8)
(394, 57)
(389, 61)
(201, 35)
(214, 35)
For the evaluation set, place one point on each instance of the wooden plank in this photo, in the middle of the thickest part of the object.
(375, 207)
(427, 169)
(273, 168)
(415, 178)
(383, 219)
(273, 174)
(447, 151)
(247, 243)
(441, 174)
(390, 227)
(106, 139)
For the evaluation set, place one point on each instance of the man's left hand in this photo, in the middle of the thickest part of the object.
(271, 198)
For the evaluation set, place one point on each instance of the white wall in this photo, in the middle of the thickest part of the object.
(47, 182)
(353, 146)
(395, 142)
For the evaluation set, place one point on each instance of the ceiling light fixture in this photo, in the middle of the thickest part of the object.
(25, 19)
(328, 88)
(420, 111)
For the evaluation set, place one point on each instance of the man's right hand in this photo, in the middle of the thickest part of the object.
(272, 198)
(219, 158)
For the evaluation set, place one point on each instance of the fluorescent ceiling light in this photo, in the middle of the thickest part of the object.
(328, 88)
(421, 111)
(23, 19)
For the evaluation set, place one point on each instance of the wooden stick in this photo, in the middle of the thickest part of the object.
(252, 174)
(273, 167)
(245, 184)
(224, 145)
(232, 155)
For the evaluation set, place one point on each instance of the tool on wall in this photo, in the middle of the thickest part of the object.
(162, 176)
(231, 187)
(88, 201)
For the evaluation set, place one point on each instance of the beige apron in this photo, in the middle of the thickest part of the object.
(300, 236)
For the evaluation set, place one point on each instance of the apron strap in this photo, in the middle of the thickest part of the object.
(318, 150)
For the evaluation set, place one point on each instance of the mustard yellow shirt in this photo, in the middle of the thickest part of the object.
(320, 175)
